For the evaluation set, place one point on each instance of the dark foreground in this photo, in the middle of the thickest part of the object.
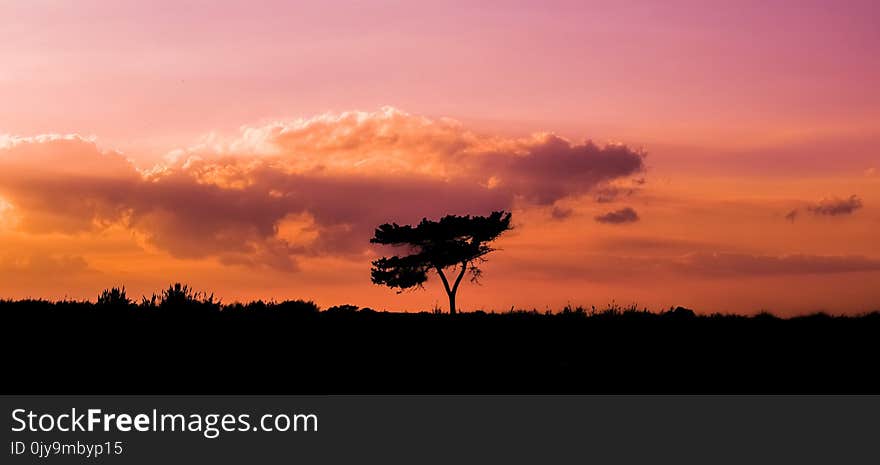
(180, 347)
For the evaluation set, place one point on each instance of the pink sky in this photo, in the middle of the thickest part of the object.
(748, 110)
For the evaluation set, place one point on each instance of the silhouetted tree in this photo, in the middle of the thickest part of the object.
(457, 243)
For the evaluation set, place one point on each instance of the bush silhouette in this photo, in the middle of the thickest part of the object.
(342, 309)
(195, 344)
(182, 297)
(298, 307)
(113, 298)
(680, 313)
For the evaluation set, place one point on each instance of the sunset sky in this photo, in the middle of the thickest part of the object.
(717, 155)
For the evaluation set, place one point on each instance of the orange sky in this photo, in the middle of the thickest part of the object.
(250, 151)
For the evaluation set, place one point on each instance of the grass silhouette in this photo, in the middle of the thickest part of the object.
(185, 341)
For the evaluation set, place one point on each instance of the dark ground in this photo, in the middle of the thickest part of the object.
(190, 347)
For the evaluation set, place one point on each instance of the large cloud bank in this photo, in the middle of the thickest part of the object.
(306, 187)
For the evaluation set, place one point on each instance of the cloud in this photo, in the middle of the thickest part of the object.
(624, 215)
(560, 213)
(614, 267)
(836, 206)
(736, 264)
(45, 265)
(335, 176)
(653, 245)
(608, 194)
(553, 168)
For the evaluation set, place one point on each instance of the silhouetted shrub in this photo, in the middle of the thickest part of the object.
(765, 316)
(342, 310)
(680, 313)
(298, 307)
(113, 298)
(256, 307)
(195, 344)
(818, 316)
(182, 297)
(569, 311)
(147, 304)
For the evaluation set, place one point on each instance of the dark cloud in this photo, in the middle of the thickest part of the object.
(559, 213)
(610, 194)
(829, 207)
(624, 215)
(555, 168)
(836, 206)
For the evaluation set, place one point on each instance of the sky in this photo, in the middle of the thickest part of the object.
(716, 155)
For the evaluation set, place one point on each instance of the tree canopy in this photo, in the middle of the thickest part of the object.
(456, 242)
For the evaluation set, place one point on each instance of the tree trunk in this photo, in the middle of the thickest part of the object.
(451, 303)
(450, 291)
(455, 288)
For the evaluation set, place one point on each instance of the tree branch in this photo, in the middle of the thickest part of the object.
(445, 281)
(460, 275)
